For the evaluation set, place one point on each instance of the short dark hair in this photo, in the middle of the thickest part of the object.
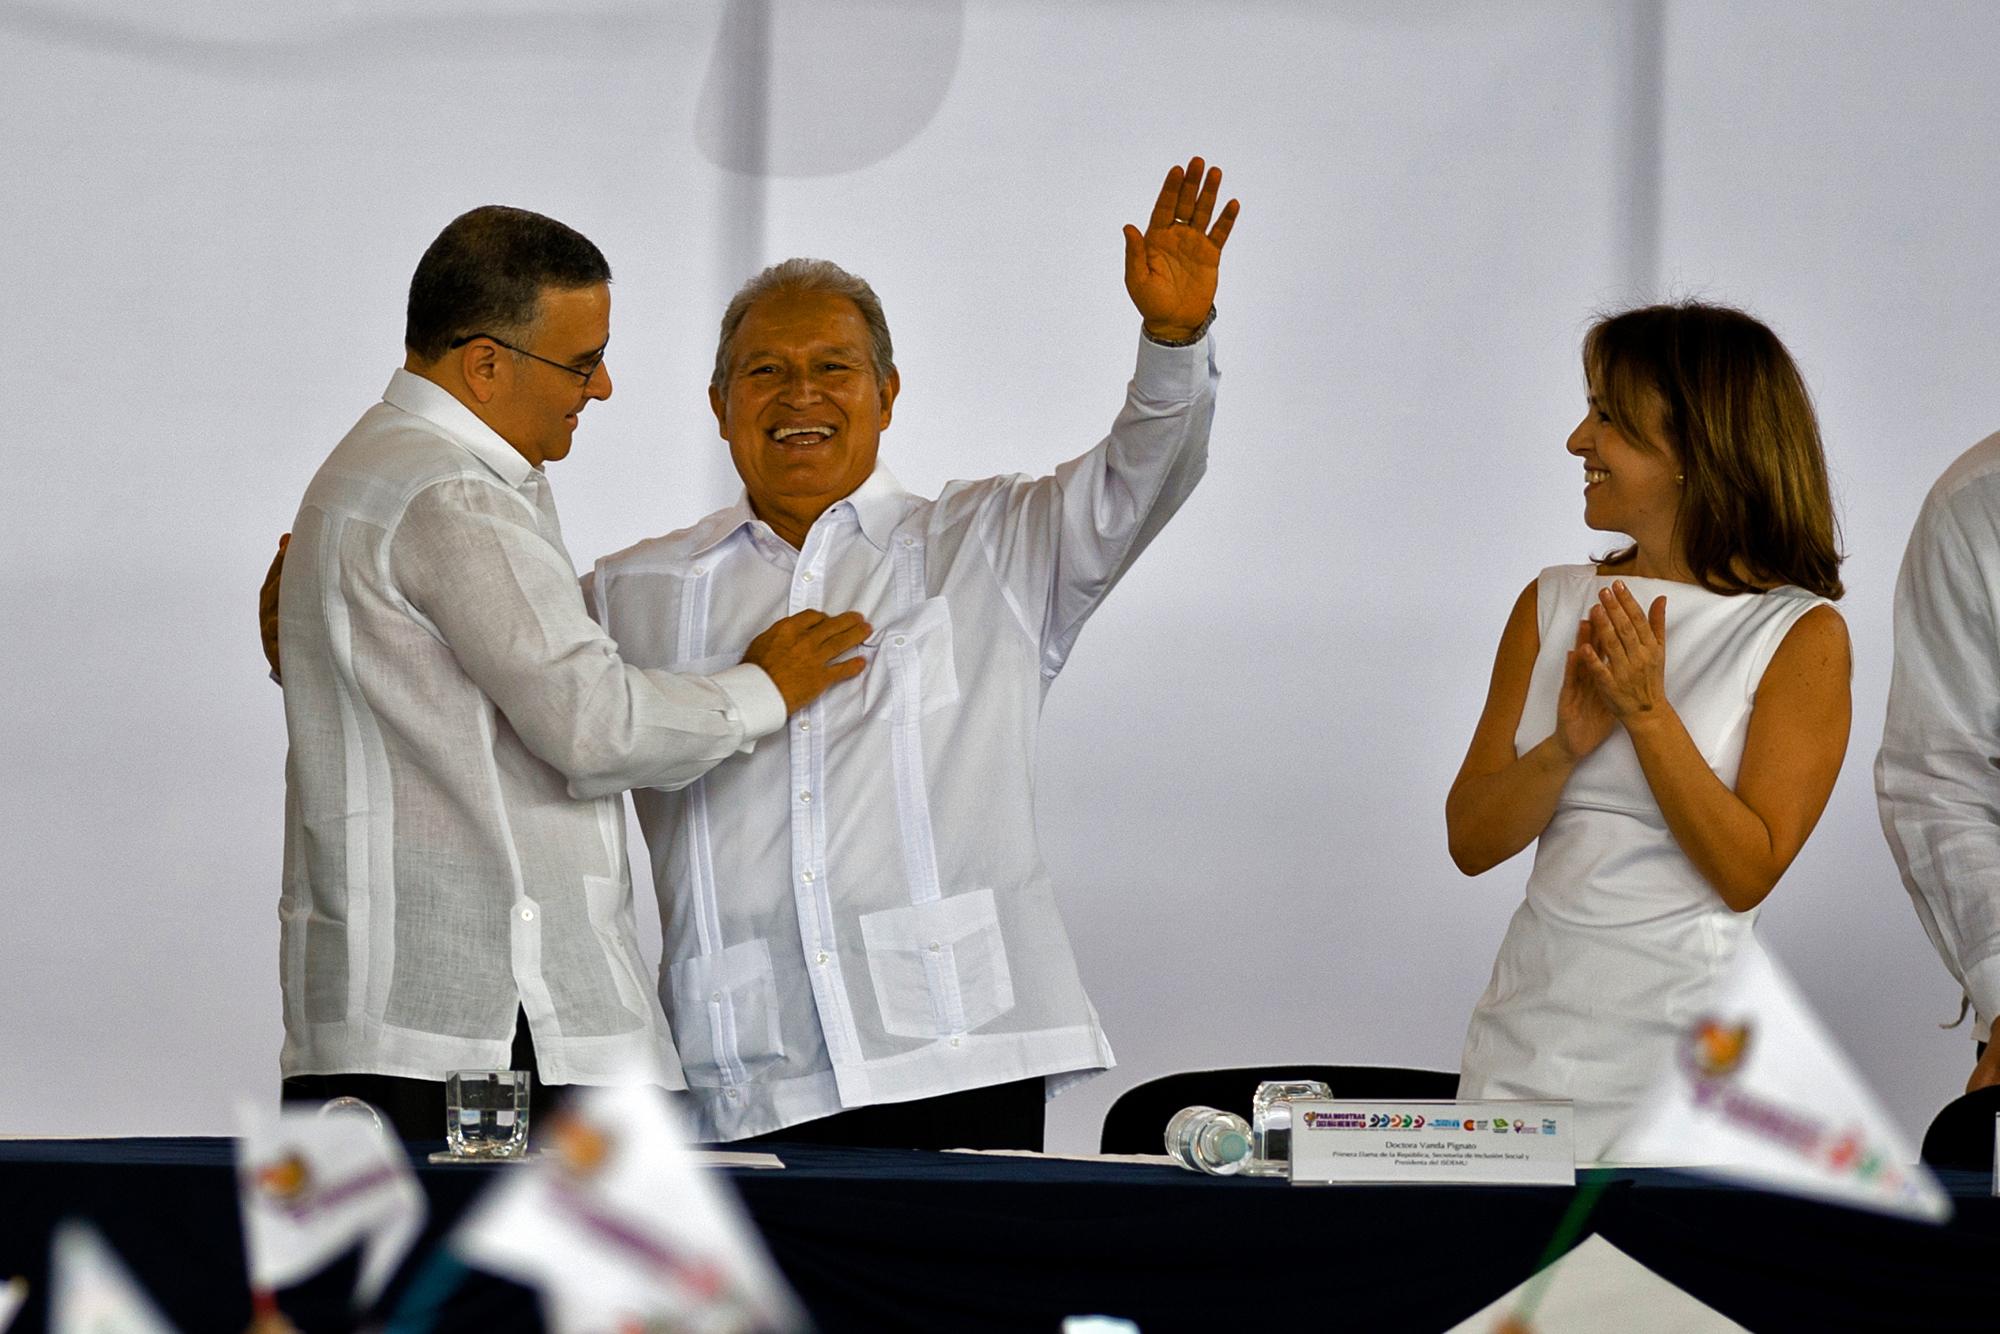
(1756, 507)
(807, 277)
(485, 273)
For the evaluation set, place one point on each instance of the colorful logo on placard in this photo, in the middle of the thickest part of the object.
(1335, 1121)
(1316, 1120)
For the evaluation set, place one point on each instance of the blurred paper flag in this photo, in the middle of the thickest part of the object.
(313, 1186)
(619, 1227)
(1759, 1092)
(1578, 1292)
(90, 1290)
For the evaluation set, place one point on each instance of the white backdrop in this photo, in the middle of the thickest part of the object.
(209, 213)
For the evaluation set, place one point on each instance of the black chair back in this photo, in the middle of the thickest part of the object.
(1961, 1135)
(1137, 1121)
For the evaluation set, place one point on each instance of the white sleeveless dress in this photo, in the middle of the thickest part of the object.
(1613, 951)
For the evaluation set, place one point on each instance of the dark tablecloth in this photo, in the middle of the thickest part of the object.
(887, 1240)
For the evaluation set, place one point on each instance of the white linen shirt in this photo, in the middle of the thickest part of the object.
(862, 915)
(454, 844)
(1937, 776)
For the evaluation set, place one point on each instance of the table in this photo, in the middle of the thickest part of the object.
(894, 1240)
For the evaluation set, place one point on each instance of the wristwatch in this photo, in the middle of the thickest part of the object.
(1200, 333)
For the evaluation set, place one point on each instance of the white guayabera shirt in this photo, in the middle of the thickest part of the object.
(862, 915)
(1937, 776)
(460, 730)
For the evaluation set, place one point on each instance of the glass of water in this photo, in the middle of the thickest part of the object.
(1271, 1123)
(486, 1113)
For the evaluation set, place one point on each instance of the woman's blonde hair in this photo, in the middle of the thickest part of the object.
(1724, 393)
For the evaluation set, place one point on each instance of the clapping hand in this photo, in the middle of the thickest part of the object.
(1626, 658)
(1582, 718)
(1170, 268)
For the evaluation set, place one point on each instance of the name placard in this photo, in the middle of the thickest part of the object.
(1460, 1143)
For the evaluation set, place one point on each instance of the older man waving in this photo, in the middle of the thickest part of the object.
(862, 943)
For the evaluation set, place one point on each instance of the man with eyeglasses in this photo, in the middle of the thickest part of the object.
(456, 892)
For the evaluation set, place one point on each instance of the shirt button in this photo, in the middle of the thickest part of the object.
(954, 1042)
(733, 1095)
(806, 876)
(715, 996)
(527, 914)
(701, 569)
(805, 796)
(805, 727)
(934, 947)
(807, 577)
(909, 541)
(820, 957)
(899, 641)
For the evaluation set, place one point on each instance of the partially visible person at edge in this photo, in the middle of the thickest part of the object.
(861, 942)
(456, 891)
(1666, 724)
(1937, 776)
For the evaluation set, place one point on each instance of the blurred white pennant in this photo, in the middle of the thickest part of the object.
(313, 1186)
(1758, 1091)
(619, 1227)
(90, 1290)
(12, 1294)
(1579, 1293)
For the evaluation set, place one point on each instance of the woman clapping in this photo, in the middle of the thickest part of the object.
(1666, 724)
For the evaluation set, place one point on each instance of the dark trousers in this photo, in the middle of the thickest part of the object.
(415, 1107)
(1005, 1116)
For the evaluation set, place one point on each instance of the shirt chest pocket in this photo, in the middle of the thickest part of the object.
(939, 968)
(725, 1017)
(912, 669)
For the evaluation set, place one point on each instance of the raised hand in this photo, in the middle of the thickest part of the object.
(799, 652)
(1583, 719)
(1170, 268)
(1627, 655)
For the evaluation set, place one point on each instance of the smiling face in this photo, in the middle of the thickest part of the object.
(535, 405)
(1629, 487)
(801, 407)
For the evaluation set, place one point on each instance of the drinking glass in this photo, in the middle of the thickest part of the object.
(486, 1113)
(1271, 1123)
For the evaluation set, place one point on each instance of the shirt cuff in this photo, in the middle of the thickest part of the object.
(1172, 374)
(756, 700)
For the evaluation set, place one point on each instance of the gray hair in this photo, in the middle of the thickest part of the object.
(807, 276)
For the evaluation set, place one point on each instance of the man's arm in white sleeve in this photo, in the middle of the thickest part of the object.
(1937, 776)
(748, 686)
(469, 559)
(1061, 544)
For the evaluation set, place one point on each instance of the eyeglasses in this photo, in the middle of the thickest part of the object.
(584, 373)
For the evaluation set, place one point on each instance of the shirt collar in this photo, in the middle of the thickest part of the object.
(878, 506)
(426, 399)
